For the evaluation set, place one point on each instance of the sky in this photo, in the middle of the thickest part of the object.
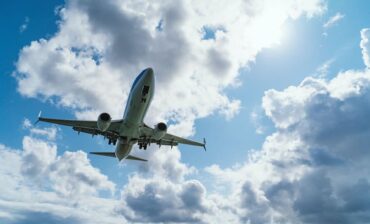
(279, 89)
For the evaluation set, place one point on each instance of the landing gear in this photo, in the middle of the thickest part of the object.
(143, 146)
(112, 141)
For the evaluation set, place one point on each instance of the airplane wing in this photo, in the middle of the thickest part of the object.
(171, 140)
(89, 127)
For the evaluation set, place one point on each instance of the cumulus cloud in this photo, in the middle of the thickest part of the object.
(166, 190)
(89, 63)
(308, 170)
(88, 66)
(50, 133)
(70, 174)
(158, 200)
(160, 192)
(313, 169)
(39, 185)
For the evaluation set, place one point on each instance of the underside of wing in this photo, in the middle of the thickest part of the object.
(73, 123)
(169, 139)
(173, 138)
(81, 123)
(89, 127)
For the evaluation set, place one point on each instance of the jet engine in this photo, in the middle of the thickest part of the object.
(104, 121)
(159, 131)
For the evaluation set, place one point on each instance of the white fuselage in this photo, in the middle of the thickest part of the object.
(138, 101)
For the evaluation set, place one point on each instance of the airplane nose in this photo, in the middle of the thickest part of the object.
(149, 74)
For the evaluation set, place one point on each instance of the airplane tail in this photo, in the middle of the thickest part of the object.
(112, 154)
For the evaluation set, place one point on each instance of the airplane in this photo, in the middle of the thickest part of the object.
(131, 129)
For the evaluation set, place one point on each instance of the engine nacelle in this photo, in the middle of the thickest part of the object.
(104, 121)
(159, 131)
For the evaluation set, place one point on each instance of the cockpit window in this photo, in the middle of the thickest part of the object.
(145, 90)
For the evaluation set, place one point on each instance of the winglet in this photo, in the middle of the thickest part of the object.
(38, 118)
(204, 144)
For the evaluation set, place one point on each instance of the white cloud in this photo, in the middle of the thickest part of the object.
(38, 185)
(365, 46)
(333, 20)
(166, 190)
(301, 173)
(158, 200)
(255, 118)
(70, 175)
(50, 132)
(323, 70)
(24, 26)
(87, 66)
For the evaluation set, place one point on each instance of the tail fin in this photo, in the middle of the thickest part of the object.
(112, 154)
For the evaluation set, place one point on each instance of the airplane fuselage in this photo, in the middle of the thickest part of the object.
(139, 99)
(131, 129)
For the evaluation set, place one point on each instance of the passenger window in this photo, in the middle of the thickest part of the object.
(145, 90)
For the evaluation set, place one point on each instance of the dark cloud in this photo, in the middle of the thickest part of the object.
(315, 201)
(192, 196)
(322, 157)
(328, 121)
(165, 202)
(338, 124)
(279, 194)
(43, 217)
(218, 62)
(255, 207)
(131, 42)
(357, 197)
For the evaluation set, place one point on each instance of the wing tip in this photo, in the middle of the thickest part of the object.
(204, 144)
(38, 118)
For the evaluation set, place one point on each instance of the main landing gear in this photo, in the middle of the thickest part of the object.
(143, 143)
(143, 146)
(112, 141)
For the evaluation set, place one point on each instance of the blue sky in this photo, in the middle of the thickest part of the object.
(267, 84)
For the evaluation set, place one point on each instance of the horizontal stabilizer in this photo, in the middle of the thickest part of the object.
(110, 154)
(135, 158)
